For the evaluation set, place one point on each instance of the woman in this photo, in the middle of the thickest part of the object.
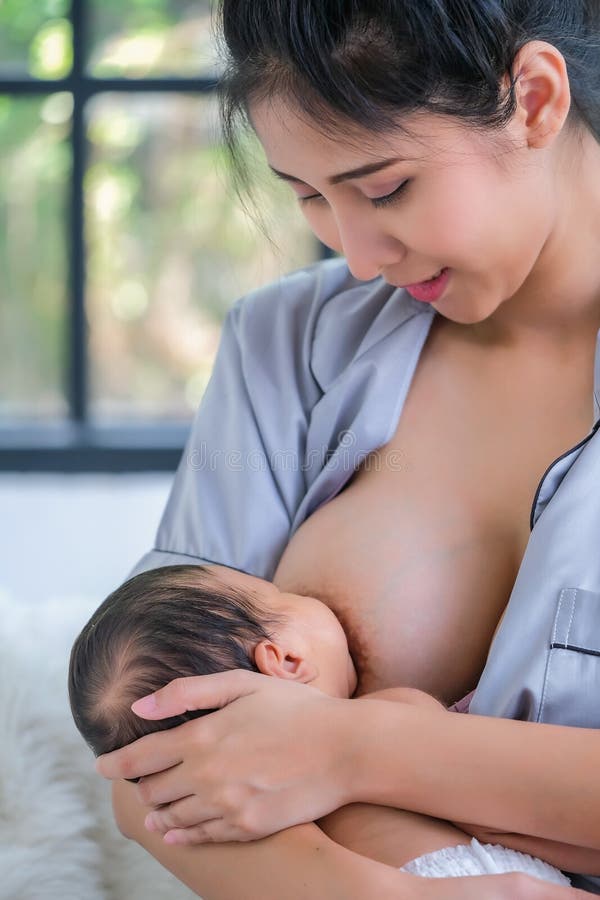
(380, 448)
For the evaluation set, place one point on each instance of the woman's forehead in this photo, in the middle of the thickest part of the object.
(278, 116)
(294, 144)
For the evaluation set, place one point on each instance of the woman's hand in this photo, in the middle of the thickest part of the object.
(276, 753)
(511, 886)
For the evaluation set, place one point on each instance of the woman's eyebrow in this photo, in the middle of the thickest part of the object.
(361, 172)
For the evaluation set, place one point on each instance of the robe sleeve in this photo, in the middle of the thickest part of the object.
(241, 477)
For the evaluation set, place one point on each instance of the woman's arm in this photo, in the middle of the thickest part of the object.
(350, 823)
(301, 863)
(510, 777)
(393, 836)
(281, 753)
(298, 863)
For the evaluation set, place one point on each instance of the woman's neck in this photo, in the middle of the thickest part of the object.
(559, 303)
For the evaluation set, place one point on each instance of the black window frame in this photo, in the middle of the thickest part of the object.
(77, 444)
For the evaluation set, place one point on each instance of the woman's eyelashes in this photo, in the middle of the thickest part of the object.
(388, 199)
(378, 202)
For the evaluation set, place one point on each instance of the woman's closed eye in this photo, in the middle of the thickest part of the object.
(392, 197)
(378, 202)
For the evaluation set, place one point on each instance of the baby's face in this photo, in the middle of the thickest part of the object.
(311, 646)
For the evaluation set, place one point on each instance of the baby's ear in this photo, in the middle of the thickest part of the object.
(271, 659)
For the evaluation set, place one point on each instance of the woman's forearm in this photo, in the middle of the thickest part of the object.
(300, 863)
(519, 777)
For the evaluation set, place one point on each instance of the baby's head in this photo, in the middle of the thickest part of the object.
(179, 621)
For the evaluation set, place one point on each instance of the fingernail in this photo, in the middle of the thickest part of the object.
(171, 838)
(149, 823)
(145, 705)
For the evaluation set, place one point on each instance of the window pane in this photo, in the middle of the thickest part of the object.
(35, 38)
(137, 38)
(35, 165)
(170, 250)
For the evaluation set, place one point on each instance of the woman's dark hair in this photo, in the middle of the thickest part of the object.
(166, 623)
(348, 63)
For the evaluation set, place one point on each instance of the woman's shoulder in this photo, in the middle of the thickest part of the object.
(323, 314)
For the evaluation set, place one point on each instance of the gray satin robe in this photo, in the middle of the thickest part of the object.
(311, 375)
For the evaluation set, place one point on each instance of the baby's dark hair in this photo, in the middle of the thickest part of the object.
(166, 623)
(369, 62)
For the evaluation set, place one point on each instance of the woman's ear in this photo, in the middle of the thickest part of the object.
(543, 91)
(271, 659)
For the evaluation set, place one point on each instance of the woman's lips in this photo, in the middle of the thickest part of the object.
(429, 291)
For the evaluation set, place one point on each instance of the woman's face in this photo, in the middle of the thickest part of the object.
(406, 207)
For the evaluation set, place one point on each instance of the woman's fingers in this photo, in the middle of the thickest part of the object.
(207, 833)
(519, 886)
(193, 825)
(211, 832)
(197, 692)
(268, 760)
(149, 754)
(168, 787)
(509, 886)
(526, 887)
(194, 821)
(181, 814)
(157, 752)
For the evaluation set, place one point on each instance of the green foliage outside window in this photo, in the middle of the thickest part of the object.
(35, 38)
(168, 245)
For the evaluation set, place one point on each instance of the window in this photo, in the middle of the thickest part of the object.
(122, 244)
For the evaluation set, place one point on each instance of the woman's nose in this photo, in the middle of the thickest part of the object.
(368, 250)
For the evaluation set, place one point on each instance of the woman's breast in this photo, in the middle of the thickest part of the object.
(417, 575)
(419, 553)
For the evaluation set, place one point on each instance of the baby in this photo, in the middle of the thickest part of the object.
(179, 621)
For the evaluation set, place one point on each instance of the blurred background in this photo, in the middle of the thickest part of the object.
(122, 246)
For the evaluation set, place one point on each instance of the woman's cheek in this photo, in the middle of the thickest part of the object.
(322, 224)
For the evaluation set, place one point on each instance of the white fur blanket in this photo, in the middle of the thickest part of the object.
(58, 840)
